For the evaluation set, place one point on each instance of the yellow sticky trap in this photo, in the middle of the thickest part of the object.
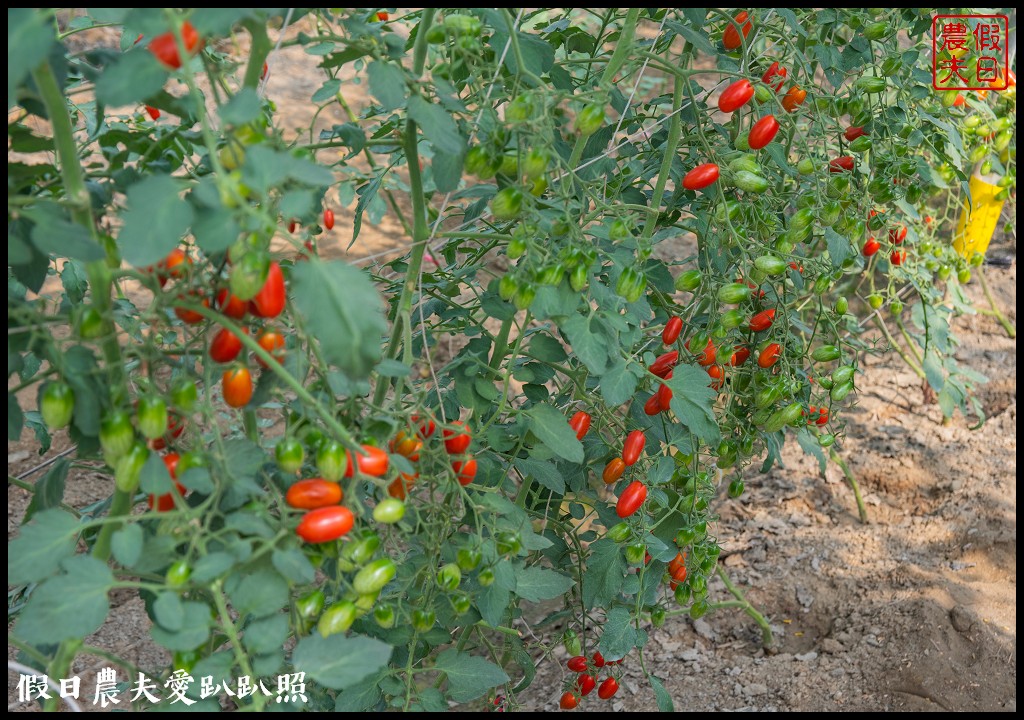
(978, 222)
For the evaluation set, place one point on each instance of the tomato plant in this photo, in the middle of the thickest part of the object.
(534, 312)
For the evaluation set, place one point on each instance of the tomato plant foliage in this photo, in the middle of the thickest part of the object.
(543, 166)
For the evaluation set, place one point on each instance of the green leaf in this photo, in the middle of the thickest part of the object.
(933, 372)
(49, 491)
(155, 221)
(447, 170)
(543, 472)
(259, 594)
(393, 368)
(588, 341)
(363, 695)
(327, 91)
(553, 429)
(469, 677)
(194, 630)
(212, 566)
(38, 551)
(839, 248)
(53, 234)
(493, 602)
(30, 34)
(169, 611)
(340, 661)
(694, 36)
(810, 445)
(241, 108)
(127, 545)
(536, 583)
(693, 401)
(619, 383)
(294, 565)
(15, 418)
(69, 606)
(342, 308)
(266, 635)
(215, 230)
(619, 636)
(661, 695)
(437, 125)
(604, 573)
(387, 83)
(131, 78)
(154, 478)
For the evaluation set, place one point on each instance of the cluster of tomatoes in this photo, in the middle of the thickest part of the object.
(587, 672)
(457, 440)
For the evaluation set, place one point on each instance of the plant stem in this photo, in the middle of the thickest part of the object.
(767, 640)
(674, 130)
(852, 479)
(899, 349)
(1011, 331)
(120, 505)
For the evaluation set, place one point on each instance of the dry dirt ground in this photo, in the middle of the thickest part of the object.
(914, 611)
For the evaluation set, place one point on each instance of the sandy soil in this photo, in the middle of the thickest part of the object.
(914, 611)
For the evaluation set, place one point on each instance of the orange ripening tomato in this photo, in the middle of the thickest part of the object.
(231, 305)
(770, 355)
(717, 376)
(165, 47)
(237, 387)
(794, 98)
(273, 343)
(613, 471)
(399, 488)
(313, 493)
(190, 317)
(407, 446)
(731, 37)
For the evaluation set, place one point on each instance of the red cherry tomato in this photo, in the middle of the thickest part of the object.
(465, 470)
(663, 365)
(653, 405)
(673, 327)
(794, 98)
(775, 76)
(717, 375)
(845, 163)
(153, 112)
(329, 219)
(598, 659)
(731, 37)
(853, 132)
(898, 234)
(577, 664)
(586, 684)
(763, 132)
(425, 427)
(896, 257)
(633, 446)
(871, 246)
(763, 320)
(701, 176)
(580, 423)
(568, 701)
(313, 493)
(165, 47)
(325, 524)
(609, 687)
(373, 461)
(456, 442)
(664, 396)
(231, 305)
(269, 301)
(739, 357)
(631, 499)
(225, 346)
(736, 96)
(706, 356)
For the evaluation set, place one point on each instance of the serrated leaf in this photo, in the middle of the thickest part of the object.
(387, 84)
(553, 429)
(839, 248)
(447, 170)
(543, 472)
(49, 491)
(258, 594)
(364, 695)
(469, 677)
(38, 551)
(127, 545)
(604, 573)
(71, 605)
(493, 602)
(212, 566)
(619, 384)
(194, 630)
(437, 125)
(693, 401)
(619, 635)
(536, 583)
(155, 221)
(294, 565)
(342, 308)
(266, 635)
(339, 661)
(588, 342)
